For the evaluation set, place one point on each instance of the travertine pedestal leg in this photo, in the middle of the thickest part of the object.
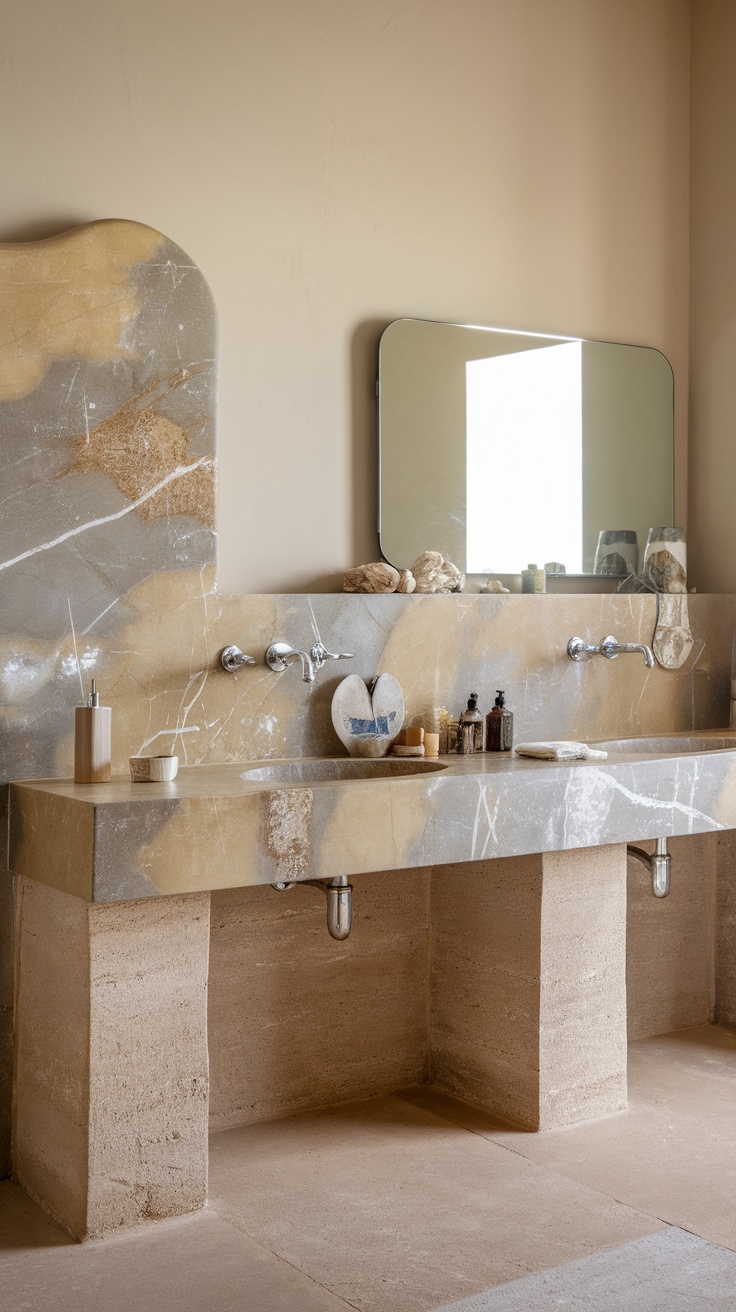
(111, 1091)
(528, 1009)
(725, 963)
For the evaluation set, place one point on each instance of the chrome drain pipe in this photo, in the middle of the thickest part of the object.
(339, 895)
(657, 862)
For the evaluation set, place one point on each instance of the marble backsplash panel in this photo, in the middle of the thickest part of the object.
(161, 674)
(108, 388)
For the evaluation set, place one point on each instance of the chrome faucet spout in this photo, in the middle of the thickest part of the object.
(610, 648)
(646, 651)
(280, 655)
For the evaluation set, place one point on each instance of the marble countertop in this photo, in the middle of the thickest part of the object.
(211, 828)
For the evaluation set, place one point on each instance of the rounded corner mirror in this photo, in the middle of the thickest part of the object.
(499, 447)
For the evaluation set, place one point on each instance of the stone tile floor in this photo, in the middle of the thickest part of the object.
(415, 1201)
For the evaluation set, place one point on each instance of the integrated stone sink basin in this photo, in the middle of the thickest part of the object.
(234, 824)
(331, 770)
(671, 744)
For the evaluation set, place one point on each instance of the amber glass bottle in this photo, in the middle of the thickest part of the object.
(499, 726)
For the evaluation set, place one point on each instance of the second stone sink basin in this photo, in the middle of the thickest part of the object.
(675, 744)
(316, 770)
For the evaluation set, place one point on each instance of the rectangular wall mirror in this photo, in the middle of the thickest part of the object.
(503, 448)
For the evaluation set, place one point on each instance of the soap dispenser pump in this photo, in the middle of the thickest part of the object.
(499, 726)
(92, 741)
(470, 728)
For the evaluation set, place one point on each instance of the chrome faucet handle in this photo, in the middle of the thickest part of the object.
(232, 659)
(319, 655)
(578, 649)
(279, 656)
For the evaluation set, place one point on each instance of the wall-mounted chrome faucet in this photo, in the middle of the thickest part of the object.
(280, 655)
(320, 655)
(609, 647)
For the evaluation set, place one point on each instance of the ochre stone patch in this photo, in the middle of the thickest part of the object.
(139, 450)
(288, 830)
(49, 312)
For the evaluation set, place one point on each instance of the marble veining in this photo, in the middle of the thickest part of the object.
(108, 362)
(218, 826)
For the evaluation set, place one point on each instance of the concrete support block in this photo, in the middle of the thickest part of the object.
(111, 1092)
(528, 985)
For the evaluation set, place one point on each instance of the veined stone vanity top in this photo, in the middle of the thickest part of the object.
(215, 827)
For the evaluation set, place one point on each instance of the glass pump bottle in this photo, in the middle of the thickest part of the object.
(499, 726)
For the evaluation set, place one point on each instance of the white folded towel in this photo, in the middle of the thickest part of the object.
(564, 751)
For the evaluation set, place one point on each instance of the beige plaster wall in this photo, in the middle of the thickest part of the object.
(712, 532)
(335, 165)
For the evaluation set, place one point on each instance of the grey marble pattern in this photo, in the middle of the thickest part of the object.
(108, 394)
(219, 826)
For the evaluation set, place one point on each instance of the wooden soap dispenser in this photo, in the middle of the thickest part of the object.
(92, 741)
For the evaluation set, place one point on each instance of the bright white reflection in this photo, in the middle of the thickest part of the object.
(525, 449)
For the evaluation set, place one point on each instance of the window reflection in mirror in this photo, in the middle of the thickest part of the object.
(501, 448)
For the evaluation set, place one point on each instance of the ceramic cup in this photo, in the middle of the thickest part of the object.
(153, 769)
(617, 553)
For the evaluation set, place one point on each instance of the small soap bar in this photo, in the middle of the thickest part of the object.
(408, 751)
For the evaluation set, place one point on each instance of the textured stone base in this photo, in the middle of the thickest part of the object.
(6, 1005)
(725, 965)
(111, 1058)
(670, 940)
(528, 994)
(298, 1021)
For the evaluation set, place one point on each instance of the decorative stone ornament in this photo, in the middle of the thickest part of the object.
(366, 720)
(435, 574)
(673, 641)
(429, 573)
(376, 577)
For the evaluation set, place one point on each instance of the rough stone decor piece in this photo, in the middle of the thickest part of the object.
(435, 574)
(366, 721)
(377, 576)
(429, 573)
